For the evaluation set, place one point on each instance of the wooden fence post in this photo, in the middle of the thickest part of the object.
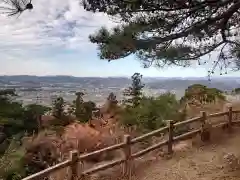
(170, 136)
(74, 166)
(39, 120)
(204, 116)
(230, 113)
(128, 157)
(205, 131)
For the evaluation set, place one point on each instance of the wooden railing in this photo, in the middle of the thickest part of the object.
(75, 160)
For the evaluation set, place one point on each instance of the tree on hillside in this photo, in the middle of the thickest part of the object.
(216, 94)
(37, 109)
(134, 93)
(15, 119)
(62, 118)
(236, 91)
(195, 92)
(152, 112)
(112, 102)
(9, 107)
(198, 93)
(112, 97)
(58, 107)
(79, 109)
(170, 32)
(32, 113)
(11, 113)
(88, 106)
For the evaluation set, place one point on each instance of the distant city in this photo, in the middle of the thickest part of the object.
(43, 89)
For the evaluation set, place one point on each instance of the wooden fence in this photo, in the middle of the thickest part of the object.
(75, 160)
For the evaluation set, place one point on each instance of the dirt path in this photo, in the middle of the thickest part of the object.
(205, 162)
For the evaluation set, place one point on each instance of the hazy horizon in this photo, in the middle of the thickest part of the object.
(59, 75)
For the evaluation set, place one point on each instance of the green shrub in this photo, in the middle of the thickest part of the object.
(152, 113)
(133, 93)
(202, 94)
(11, 163)
(181, 117)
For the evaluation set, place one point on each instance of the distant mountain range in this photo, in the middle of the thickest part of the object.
(74, 78)
(224, 83)
(55, 79)
(41, 89)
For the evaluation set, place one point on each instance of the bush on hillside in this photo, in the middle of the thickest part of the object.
(31, 115)
(111, 104)
(88, 107)
(81, 109)
(16, 120)
(58, 106)
(57, 125)
(236, 91)
(134, 93)
(152, 112)
(42, 151)
(198, 93)
(11, 162)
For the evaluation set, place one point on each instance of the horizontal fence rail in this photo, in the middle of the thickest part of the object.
(75, 160)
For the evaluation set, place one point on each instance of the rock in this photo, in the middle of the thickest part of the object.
(232, 161)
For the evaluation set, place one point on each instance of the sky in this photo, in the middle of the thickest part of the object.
(52, 39)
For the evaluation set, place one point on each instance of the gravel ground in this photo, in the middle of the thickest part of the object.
(195, 160)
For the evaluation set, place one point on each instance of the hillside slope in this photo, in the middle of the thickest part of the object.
(213, 161)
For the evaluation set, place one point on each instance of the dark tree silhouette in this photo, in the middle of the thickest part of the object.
(78, 103)
(112, 97)
(15, 7)
(170, 32)
(135, 91)
(88, 106)
(58, 107)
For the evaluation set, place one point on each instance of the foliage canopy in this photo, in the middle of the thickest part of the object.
(170, 32)
(198, 93)
(134, 92)
(152, 112)
(236, 91)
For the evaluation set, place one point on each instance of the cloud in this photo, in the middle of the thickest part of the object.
(55, 22)
(51, 25)
(38, 41)
(18, 66)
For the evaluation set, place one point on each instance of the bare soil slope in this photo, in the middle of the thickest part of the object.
(218, 160)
